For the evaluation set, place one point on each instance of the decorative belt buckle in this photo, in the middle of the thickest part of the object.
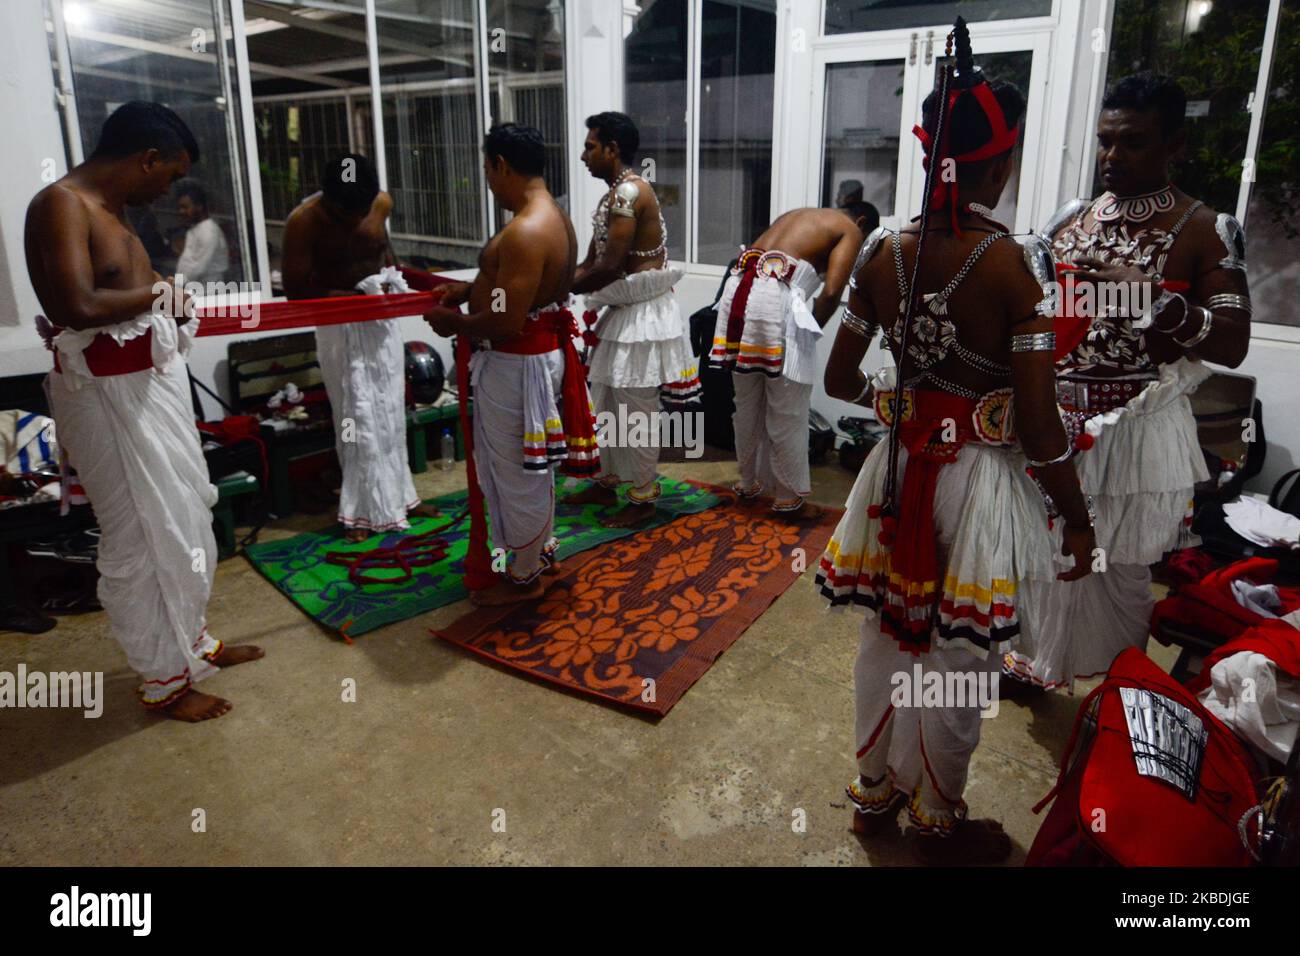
(775, 265)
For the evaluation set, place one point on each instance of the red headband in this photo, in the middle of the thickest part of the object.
(1002, 139)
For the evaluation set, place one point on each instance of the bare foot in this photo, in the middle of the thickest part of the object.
(193, 706)
(805, 512)
(355, 535)
(971, 843)
(594, 494)
(630, 515)
(425, 510)
(507, 592)
(238, 654)
(874, 824)
(556, 567)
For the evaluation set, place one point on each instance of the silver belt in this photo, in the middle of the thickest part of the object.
(1099, 393)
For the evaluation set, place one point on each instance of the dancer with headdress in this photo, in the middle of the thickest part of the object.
(941, 523)
(1174, 276)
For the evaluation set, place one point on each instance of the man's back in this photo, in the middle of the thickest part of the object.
(809, 234)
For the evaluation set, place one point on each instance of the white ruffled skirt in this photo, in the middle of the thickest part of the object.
(644, 341)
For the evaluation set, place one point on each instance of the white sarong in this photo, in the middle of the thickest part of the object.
(515, 397)
(132, 440)
(771, 417)
(363, 366)
(1140, 472)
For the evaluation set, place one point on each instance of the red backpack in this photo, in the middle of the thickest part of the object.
(1106, 813)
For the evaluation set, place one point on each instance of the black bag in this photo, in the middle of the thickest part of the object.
(1287, 499)
(718, 392)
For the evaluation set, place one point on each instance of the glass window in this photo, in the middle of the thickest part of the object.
(737, 60)
(1213, 50)
(1013, 67)
(654, 55)
(1273, 215)
(432, 131)
(309, 70)
(863, 16)
(167, 54)
(525, 42)
(863, 114)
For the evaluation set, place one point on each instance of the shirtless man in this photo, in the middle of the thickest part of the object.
(644, 344)
(768, 336)
(1141, 233)
(525, 367)
(336, 244)
(121, 401)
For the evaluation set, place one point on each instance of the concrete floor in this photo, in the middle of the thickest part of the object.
(439, 746)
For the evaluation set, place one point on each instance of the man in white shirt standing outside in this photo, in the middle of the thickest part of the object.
(205, 257)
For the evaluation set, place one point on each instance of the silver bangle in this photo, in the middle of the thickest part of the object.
(1159, 306)
(866, 390)
(1202, 333)
(1034, 342)
(1063, 456)
(1230, 300)
(855, 323)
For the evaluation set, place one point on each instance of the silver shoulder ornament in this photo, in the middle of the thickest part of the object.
(868, 250)
(1042, 266)
(1233, 238)
(1067, 213)
(624, 203)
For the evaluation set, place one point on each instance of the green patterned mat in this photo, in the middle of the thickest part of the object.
(298, 565)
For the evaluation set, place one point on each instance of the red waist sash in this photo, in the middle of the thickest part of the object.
(934, 429)
(551, 330)
(104, 357)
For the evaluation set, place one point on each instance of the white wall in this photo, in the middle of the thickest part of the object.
(32, 143)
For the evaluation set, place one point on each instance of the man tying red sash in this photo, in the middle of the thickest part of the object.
(531, 405)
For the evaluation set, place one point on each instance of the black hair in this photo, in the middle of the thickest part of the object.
(862, 210)
(617, 128)
(350, 182)
(137, 126)
(968, 127)
(522, 147)
(192, 188)
(1148, 91)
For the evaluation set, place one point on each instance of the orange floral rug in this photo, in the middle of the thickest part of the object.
(637, 621)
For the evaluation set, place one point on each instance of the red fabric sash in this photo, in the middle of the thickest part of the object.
(736, 317)
(914, 579)
(554, 329)
(104, 357)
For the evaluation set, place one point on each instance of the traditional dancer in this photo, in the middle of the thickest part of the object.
(941, 524)
(767, 334)
(1125, 379)
(532, 409)
(121, 400)
(642, 344)
(336, 244)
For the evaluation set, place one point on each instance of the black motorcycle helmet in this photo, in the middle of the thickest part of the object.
(425, 374)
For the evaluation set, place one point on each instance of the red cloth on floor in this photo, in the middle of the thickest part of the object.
(1209, 605)
(1276, 640)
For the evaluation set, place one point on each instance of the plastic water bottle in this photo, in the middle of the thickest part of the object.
(447, 457)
